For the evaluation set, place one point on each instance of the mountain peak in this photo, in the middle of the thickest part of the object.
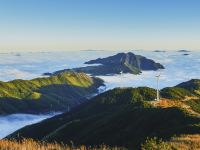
(193, 85)
(130, 60)
(126, 95)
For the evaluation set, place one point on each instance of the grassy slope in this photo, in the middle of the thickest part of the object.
(122, 117)
(187, 92)
(29, 144)
(46, 94)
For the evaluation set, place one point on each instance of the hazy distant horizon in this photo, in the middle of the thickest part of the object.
(76, 50)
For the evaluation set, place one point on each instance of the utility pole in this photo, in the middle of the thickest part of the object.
(158, 94)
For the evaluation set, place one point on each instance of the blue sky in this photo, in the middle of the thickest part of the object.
(99, 24)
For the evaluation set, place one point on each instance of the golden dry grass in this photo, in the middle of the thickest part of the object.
(183, 142)
(186, 142)
(29, 144)
(166, 103)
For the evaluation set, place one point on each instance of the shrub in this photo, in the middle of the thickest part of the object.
(156, 144)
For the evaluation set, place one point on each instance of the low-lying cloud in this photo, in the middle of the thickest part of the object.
(11, 123)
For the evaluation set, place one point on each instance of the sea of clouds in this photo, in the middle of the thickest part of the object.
(11, 123)
(29, 65)
(178, 68)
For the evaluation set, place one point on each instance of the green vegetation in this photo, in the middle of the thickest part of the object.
(186, 89)
(156, 144)
(194, 104)
(25, 89)
(175, 93)
(119, 117)
(46, 94)
(192, 86)
(126, 95)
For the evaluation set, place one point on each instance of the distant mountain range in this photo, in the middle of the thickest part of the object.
(159, 51)
(41, 95)
(119, 63)
(124, 117)
(183, 51)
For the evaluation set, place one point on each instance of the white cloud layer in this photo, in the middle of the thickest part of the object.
(179, 68)
(11, 123)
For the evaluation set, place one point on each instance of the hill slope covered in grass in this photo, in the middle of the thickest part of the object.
(182, 142)
(55, 93)
(119, 117)
(29, 144)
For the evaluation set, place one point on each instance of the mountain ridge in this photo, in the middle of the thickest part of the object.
(116, 64)
(54, 93)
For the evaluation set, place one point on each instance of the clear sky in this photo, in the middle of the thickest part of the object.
(99, 24)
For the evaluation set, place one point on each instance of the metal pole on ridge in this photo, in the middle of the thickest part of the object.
(158, 94)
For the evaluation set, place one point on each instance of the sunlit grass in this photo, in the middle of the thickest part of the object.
(26, 89)
(183, 142)
(186, 142)
(30, 144)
